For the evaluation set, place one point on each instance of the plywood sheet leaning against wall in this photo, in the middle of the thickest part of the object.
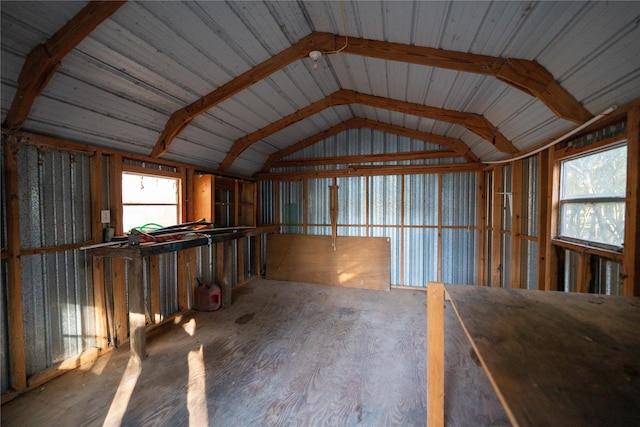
(357, 262)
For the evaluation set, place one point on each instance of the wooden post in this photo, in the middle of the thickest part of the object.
(182, 281)
(224, 271)
(257, 254)
(154, 279)
(584, 273)
(543, 206)
(98, 262)
(553, 196)
(435, 354)
(240, 266)
(18, 370)
(118, 265)
(516, 224)
(482, 228)
(631, 252)
(496, 237)
(137, 339)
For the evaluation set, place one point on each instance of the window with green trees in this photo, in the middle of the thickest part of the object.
(592, 197)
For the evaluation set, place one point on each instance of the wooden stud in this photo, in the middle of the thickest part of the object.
(515, 270)
(435, 354)
(496, 238)
(118, 269)
(18, 370)
(583, 281)
(224, 271)
(305, 206)
(188, 200)
(137, 339)
(182, 282)
(543, 225)
(551, 280)
(440, 190)
(43, 61)
(631, 252)
(154, 279)
(99, 301)
(241, 261)
(482, 228)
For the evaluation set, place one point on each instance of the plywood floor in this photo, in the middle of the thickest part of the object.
(283, 354)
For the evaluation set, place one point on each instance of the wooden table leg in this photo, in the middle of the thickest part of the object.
(435, 354)
(137, 339)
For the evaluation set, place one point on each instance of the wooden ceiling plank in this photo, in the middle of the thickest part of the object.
(365, 158)
(42, 62)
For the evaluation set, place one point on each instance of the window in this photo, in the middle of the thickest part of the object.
(592, 197)
(149, 199)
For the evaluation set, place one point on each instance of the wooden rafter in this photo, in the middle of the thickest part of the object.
(43, 61)
(473, 122)
(456, 145)
(366, 158)
(525, 75)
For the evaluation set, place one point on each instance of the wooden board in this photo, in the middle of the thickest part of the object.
(556, 358)
(357, 262)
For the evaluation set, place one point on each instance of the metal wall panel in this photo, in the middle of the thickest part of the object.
(385, 200)
(267, 202)
(459, 252)
(352, 200)
(318, 201)
(529, 264)
(459, 198)
(291, 202)
(55, 198)
(420, 256)
(58, 307)
(395, 235)
(421, 199)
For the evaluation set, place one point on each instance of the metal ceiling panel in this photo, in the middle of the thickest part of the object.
(119, 86)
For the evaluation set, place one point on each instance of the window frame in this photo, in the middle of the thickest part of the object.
(562, 201)
(155, 173)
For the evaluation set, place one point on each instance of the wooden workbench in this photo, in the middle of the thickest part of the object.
(553, 358)
(134, 254)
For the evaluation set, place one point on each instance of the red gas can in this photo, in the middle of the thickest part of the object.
(207, 297)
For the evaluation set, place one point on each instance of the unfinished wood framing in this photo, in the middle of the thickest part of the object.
(496, 237)
(525, 75)
(473, 122)
(517, 190)
(631, 253)
(435, 355)
(43, 61)
(14, 283)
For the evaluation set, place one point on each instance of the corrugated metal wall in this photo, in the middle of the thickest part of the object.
(57, 287)
(403, 208)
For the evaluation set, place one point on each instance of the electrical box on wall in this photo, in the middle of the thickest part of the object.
(105, 216)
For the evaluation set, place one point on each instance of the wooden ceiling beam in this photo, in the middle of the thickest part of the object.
(528, 76)
(372, 171)
(525, 75)
(459, 147)
(366, 158)
(181, 118)
(43, 60)
(472, 122)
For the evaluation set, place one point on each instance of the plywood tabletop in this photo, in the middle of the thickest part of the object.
(556, 358)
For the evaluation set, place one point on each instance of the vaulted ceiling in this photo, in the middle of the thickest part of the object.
(230, 85)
